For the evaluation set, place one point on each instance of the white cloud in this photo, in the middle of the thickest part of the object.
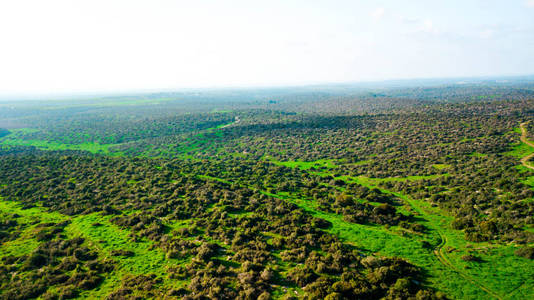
(378, 13)
(529, 3)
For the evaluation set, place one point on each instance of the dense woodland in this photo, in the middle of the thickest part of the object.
(261, 194)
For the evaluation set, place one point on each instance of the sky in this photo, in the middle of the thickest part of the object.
(71, 46)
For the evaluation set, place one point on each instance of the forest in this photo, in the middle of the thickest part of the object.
(406, 191)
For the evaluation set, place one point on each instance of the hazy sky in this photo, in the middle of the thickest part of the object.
(109, 45)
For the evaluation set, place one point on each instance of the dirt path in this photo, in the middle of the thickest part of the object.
(438, 251)
(234, 122)
(524, 139)
(443, 259)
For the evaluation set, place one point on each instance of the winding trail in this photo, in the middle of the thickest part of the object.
(237, 120)
(443, 259)
(438, 251)
(524, 139)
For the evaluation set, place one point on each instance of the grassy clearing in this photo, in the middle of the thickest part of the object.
(214, 178)
(30, 217)
(441, 166)
(190, 146)
(529, 181)
(520, 150)
(16, 139)
(20, 131)
(220, 111)
(107, 237)
(33, 214)
(99, 234)
(407, 178)
(306, 165)
(46, 145)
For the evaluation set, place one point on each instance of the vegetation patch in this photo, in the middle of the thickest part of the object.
(307, 165)
(48, 145)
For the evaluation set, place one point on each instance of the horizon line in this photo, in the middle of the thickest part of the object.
(63, 95)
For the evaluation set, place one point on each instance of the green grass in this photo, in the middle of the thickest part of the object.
(16, 139)
(20, 131)
(214, 178)
(108, 237)
(441, 166)
(220, 111)
(45, 145)
(361, 162)
(407, 178)
(191, 145)
(306, 165)
(520, 150)
(187, 148)
(26, 242)
(105, 238)
(529, 181)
